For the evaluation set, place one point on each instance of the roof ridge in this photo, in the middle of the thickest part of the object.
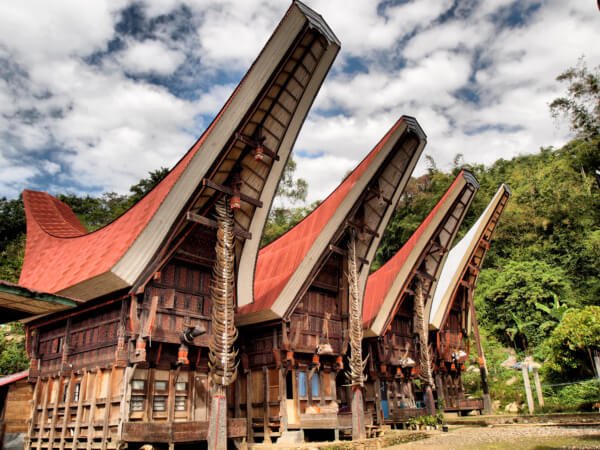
(54, 216)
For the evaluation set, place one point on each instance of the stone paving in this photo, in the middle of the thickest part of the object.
(509, 437)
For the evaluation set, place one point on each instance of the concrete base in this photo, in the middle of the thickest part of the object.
(291, 437)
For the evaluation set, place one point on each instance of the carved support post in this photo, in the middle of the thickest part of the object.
(357, 365)
(222, 356)
(425, 359)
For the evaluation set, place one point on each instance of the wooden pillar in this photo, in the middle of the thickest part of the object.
(92, 411)
(266, 428)
(249, 411)
(378, 409)
(67, 410)
(79, 413)
(55, 413)
(487, 401)
(107, 408)
(283, 399)
(439, 387)
(34, 416)
(527, 383)
(46, 392)
(392, 397)
(538, 387)
(125, 398)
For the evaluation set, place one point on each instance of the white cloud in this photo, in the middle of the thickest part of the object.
(150, 56)
(232, 33)
(97, 126)
(37, 31)
(323, 174)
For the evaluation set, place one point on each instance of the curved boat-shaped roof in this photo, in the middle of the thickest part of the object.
(284, 265)
(386, 286)
(467, 256)
(269, 104)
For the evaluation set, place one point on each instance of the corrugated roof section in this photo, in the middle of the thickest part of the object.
(8, 379)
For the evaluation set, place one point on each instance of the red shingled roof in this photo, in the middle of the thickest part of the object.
(380, 281)
(280, 259)
(59, 253)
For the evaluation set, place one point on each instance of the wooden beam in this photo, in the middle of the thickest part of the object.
(210, 223)
(474, 268)
(254, 143)
(437, 247)
(363, 227)
(229, 191)
(425, 275)
(341, 251)
(465, 284)
(379, 195)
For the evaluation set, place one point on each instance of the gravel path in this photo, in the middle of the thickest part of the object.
(509, 437)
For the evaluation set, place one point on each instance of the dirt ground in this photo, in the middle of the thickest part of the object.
(513, 437)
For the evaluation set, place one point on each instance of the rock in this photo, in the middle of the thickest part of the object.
(512, 381)
(291, 437)
(496, 405)
(512, 408)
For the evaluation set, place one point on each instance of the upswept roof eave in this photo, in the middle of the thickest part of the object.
(459, 258)
(150, 205)
(330, 227)
(380, 301)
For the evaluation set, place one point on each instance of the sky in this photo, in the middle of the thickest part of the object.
(95, 94)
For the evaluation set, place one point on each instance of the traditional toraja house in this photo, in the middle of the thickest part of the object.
(309, 283)
(396, 308)
(15, 404)
(453, 311)
(149, 349)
